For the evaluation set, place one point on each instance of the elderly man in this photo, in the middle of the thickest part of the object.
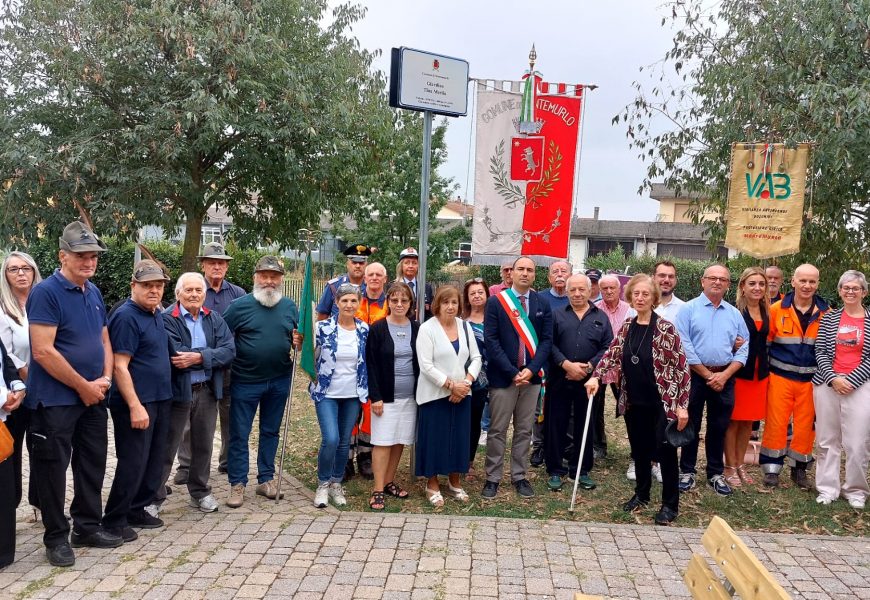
(357, 256)
(665, 274)
(581, 334)
(506, 272)
(204, 348)
(213, 262)
(409, 266)
(518, 329)
(69, 376)
(263, 323)
(774, 283)
(139, 402)
(794, 324)
(557, 276)
(617, 311)
(372, 308)
(594, 276)
(709, 328)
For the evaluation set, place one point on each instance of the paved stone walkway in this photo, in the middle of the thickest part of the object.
(293, 550)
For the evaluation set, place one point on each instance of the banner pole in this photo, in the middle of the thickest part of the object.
(575, 213)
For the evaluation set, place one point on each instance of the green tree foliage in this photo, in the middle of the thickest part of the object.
(388, 217)
(153, 111)
(765, 70)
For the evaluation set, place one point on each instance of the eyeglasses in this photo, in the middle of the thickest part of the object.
(396, 300)
(16, 270)
(719, 279)
(852, 290)
(474, 280)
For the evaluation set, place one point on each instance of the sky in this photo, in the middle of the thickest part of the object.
(577, 41)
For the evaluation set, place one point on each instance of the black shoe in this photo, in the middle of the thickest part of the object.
(634, 503)
(349, 471)
(168, 490)
(128, 534)
(524, 488)
(180, 477)
(101, 538)
(665, 516)
(771, 480)
(537, 456)
(490, 489)
(61, 555)
(222, 469)
(364, 465)
(799, 476)
(143, 520)
(599, 453)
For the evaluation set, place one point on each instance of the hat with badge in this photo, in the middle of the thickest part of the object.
(214, 250)
(148, 270)
(408, 253)
(77, 237)
(269, 263)
(358, 253)
(593, 274)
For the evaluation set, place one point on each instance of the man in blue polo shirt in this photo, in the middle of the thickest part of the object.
(139, 402)
(69, 376)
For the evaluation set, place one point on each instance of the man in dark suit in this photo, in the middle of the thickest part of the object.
(518, 334)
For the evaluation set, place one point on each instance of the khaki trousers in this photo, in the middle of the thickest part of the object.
(842, 424)
(505, 403)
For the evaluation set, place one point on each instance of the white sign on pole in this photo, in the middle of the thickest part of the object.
(429, 82)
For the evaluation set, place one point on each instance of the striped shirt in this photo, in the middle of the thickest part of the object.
(826, 348)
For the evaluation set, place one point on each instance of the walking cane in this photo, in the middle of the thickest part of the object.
(582, 451)
(286, 424)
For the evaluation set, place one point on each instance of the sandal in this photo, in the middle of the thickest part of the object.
(435, 498)
(376, 501)
(392, 489)
(744, 476)
(731, 477)
(457, 493)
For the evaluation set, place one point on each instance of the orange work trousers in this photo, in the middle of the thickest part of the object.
(784, 399)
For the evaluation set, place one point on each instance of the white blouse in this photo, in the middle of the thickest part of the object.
(16, 339)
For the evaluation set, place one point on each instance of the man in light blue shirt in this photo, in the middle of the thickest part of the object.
(710, 328)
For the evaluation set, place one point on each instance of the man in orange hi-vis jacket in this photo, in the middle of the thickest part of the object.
(794, 323)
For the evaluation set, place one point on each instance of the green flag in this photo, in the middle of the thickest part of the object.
(306, 322)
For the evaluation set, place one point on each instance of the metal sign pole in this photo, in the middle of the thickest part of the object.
(424, 216)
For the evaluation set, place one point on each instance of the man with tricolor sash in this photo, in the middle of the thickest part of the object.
(518, 335)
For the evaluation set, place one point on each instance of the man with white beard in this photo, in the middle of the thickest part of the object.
(262, 323)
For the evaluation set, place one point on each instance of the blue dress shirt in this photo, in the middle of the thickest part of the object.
(708, 333)
(197, 339)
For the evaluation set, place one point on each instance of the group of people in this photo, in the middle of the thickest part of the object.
(389, 375)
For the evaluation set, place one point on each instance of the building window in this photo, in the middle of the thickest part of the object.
(211, 234)
(597, 247)
(692, 251)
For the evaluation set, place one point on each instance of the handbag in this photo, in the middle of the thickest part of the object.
(482, 381)
(7, 444)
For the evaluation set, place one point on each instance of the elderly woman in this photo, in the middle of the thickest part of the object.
(20, 274)
(474, 296)
(750, 382)
(391, 360)
(449, 364)
(842, 396)
(653, 378)
(340, 390)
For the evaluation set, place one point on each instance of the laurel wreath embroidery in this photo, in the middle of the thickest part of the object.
(527, 235)
(511, 192)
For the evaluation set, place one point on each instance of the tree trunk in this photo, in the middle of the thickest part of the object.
(192, 235)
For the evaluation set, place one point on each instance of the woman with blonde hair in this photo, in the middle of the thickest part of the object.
(750, 382)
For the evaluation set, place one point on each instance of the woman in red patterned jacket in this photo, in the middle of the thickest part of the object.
(653, 378)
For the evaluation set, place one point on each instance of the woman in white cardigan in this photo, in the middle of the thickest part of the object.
(449, 364)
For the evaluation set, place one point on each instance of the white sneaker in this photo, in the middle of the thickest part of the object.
(481, 441)
(857, 504)
(822, 499)
(657, 472)
(206, 504)
(630, 474)
(336, 493)
(321, 496)
(153, 510)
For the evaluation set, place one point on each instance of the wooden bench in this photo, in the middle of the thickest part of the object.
(744, 573)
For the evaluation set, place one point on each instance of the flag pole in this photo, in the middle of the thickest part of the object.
(308, 238)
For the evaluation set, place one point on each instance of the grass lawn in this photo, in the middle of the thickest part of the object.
(786, 509)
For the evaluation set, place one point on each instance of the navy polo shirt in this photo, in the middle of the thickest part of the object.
(79, 316)
(218, 301)
(141, 335)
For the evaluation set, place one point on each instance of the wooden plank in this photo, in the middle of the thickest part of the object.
(702, 581)
(750, 579)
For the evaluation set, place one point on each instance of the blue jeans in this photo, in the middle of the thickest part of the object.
(484, 421)
(336, 417)
(271, 397)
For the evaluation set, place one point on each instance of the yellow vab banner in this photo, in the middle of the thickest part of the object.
(766, 198)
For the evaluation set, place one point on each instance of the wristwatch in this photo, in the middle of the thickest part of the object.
(109, 381)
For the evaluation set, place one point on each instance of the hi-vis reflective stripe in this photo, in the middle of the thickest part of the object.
(795, 340)
(792, 368)
(520, 320)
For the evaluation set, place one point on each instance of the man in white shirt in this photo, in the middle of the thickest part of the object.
(665, 274)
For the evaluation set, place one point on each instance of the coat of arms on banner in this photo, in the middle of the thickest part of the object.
(524, 174)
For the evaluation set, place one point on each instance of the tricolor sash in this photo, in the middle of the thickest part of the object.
(523, 326)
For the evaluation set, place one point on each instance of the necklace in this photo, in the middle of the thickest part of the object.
(634, 353)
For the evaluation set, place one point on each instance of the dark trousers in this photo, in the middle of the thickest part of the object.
(646, 434)
(478, 403)
(599, 441)
(560, 402)
(140, 453)
(719, 407)
(18, 422)
(7, 511)
(223, 411)
(197, 417)
(58, 435)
